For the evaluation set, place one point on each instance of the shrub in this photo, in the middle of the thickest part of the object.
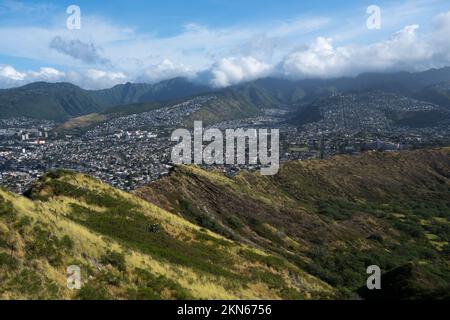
(91, 292)
(150, 287)
(115, 259)
(234, 222)
(410, 228)
(44, 245)
(6, 208)
(66, 242)
(7, 260)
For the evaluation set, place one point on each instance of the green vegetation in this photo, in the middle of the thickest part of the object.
(127, 249)
(41, 100)
(150, 287)
(331, 218)
(6, 208)
(317, 225)
(411, 281)
(115, 259)
(91, 292)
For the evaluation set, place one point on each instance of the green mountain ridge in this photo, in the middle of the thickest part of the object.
(62, 101)
(438, 94)
(127, 248)
(133, 93)
(395, 109)
(332, 218)
(46, 101)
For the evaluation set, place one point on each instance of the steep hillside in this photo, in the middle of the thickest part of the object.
(410, 281)
(227, 105)
(131, 93)
(386, 110)
(121, 94)
(404, 83)
(42, 100)
(128, 249)
(81, 124)
(438, 94)
(271, 92)
(332, 218)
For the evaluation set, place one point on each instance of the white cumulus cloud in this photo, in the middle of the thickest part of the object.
(46, 74)
(403, 51)
(92, 78)
(11, 74)
(165, 70)
(229, 71)
(98, 79)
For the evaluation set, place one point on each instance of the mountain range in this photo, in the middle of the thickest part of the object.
(63, 101)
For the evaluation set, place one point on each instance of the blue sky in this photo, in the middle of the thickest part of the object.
(224, 41)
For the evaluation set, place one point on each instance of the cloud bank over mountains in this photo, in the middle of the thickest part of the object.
(230, 71)
(91, 78)
(403, 51)
(104, 55)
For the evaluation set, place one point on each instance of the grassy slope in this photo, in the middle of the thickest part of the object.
(247, 100)
(86, 122)
(229, 105)
(332, 218)
(74, 219)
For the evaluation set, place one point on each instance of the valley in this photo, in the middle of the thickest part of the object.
(130, 146)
